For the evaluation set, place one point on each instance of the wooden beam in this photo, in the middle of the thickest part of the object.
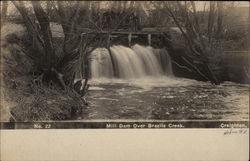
(149, 39)
(126, 33)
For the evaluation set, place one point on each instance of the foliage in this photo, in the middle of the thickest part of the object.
(203, 31)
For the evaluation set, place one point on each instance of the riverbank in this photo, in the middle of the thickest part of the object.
(20, 99)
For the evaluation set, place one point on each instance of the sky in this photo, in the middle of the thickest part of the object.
(199, 5)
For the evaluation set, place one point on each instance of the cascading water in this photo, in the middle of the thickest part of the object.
(101, 64)
(135, 62)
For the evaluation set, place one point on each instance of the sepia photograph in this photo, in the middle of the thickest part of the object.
(72, 64)
(124, 80)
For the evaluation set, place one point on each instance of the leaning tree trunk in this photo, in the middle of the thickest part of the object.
(32, 30)
(4, 11)
(220, 18)
(44, 23)
(211, 18)
(198, 51)
(45, 57)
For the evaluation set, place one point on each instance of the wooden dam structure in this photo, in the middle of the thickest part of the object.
(184, 63)
(128, 38)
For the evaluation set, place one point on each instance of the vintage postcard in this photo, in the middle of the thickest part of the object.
(125, 65)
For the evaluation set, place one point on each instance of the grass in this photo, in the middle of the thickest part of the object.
(46, 103)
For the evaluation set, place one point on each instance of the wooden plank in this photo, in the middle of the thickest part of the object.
(126, 33)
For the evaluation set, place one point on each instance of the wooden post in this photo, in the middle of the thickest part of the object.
(81, 56)
(129, 39)
(149, 39)
(108, 40)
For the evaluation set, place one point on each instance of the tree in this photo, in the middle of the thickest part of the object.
(185, 17)
(4, 9)
(61, 68)
(220, 18)
(211, 19)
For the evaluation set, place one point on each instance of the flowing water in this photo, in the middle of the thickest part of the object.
(137, 83)
(135, 62)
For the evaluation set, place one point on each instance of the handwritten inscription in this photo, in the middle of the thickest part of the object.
(235, 131)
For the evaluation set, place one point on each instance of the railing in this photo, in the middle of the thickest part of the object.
(129, 34)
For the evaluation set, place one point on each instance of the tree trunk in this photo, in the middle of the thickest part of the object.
(220, 18)
(44, 23)
(211, 18)
(4, 11)
(36, 41)
(42, 42)
(195, 43)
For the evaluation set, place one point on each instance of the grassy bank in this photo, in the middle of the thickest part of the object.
(22, 101)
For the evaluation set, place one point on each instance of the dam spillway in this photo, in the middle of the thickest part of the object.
(125, 63)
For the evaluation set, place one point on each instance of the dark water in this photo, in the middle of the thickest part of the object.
(166, 99)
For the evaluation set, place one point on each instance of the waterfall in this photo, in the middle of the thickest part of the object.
(135, 62)
(101, 64)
